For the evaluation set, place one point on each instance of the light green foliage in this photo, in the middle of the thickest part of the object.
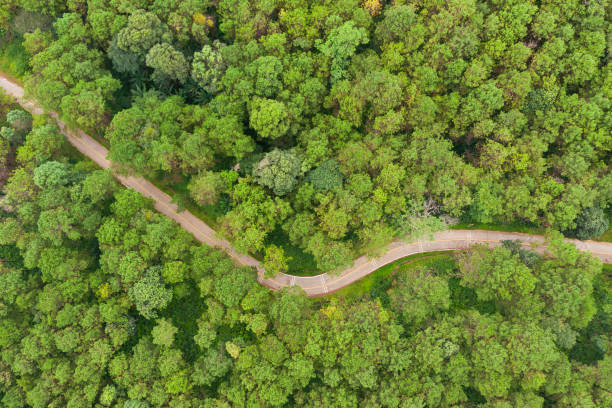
(267, 76)
(418, 295)
(108, 395)
(278, 170)
(206, 187)
(142, 32)
(275, 261)
(51, 174)
(163, 333)
(485, 92)
(208, 66)
(492, 112)
(42, 143)
(465, 106)
(576, 270)
(141, 137)
(341, 46)
(500, 322)
(500, 276)
(168, 63)
(269, 118)
(232, 349)
(77, 82)
(253, 216)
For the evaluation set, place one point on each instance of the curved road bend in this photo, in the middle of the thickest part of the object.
(450, 240)
(313, 285)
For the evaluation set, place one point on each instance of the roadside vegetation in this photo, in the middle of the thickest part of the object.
(342, 124)
(107, 303)
(306, 132)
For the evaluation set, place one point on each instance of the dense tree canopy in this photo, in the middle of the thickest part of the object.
(390, 109)
(104, 302)
(107, 303)
(319, 127)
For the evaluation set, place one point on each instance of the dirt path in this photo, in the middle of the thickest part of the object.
(163, 202)
(313, 285)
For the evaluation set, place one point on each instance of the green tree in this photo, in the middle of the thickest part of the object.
(278, 170)
(268, 70)
(275, 261)
(168, 63)
(269, 118)
(149, 294)
(163, 333)
(214, 364)
(142, 32)
(327, 176)
(341, 45)
(418, 303)
(206, 188)
(208, 67)
(590, 223)
(43, 143)
(500, 276)
(51, 174)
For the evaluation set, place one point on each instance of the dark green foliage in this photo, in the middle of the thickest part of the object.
(327, 176)
(14, 57)
(28, 21)
(590, 223)
(537, 100)
(492, 112)
(528, 257)
(140, 315)
(123, 61)
(398, 113)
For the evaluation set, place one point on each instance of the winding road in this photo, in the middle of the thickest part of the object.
(319, 285)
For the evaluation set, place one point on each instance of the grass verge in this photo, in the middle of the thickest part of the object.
(14, 59)
(514, 227)
(377, 279)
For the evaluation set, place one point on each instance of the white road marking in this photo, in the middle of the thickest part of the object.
(325, 290)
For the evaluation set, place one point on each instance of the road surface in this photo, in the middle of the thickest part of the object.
(450, 240)
(319, 285)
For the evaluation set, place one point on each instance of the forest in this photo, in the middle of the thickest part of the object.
(107, 303)
(306, 132)
(321, 130)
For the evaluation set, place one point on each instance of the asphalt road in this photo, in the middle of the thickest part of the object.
(450, 240)
(319, 285)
